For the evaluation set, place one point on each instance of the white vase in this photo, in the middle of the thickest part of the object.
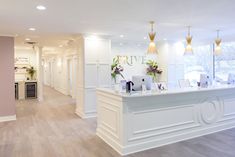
(116, 87)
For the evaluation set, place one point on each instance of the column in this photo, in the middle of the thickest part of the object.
(40, 73)
(7, 91)
(93, 72)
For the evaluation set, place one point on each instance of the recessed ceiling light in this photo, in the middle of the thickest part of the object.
(165, 39)
(32, 29)
(121, 44)
(122, 36)
(61, 46)
(41, 7)
(27, 39)
(145, 38)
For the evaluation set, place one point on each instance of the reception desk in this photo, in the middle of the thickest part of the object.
(135, 122)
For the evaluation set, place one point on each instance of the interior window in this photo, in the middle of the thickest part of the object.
(225, 62)
(200, 63)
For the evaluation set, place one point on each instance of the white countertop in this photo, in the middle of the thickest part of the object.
(16, 81)
(165, 92)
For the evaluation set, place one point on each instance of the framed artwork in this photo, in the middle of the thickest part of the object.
(22, 60)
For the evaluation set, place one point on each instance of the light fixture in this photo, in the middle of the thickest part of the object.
(152, 46)
(27, 39)
(217, 48)
(145, 38)
(41, 7)
(32, 29)
(121, 36)
(188, 48)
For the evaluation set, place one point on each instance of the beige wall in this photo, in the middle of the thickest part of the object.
(7, 97)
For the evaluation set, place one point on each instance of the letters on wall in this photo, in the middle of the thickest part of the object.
(22, 60)
(131, 60)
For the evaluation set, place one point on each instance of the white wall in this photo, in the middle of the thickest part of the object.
(131, 51)
(169, 59)
(94, 71)
(175, 63)
(28, 53)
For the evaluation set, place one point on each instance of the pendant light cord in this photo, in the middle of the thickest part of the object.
(218, 34)
(189, 30)
(151, 24)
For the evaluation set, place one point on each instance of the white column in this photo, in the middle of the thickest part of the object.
(40, 73)
(94, 71)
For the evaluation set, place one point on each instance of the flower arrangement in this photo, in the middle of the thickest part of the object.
(153, 69)
(116, 69)
(31, 71)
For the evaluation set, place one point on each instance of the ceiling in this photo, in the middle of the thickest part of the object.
(65, 19)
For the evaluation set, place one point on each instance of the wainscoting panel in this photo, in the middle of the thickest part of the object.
(135, 123)
(150, 123)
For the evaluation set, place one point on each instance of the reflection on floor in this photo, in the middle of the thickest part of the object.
(51, 129)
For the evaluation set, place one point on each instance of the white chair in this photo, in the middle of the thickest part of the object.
(184, 83)
(231, 78)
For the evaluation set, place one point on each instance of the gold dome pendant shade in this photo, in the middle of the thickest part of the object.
(217, 48)
(152, 49)
(188, 48)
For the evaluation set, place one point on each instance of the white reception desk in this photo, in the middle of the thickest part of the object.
(134, 122)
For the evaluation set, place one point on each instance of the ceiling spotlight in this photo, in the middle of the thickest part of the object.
(152, 49)
(165, 39)
(32, 29)
(121, 44)
(61, 46)
(145, 38)
(121, 36)
(188, 48)
(41, 7)
(218, 40)
(27, 39)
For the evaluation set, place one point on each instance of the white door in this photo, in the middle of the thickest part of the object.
(70, 77)
(49, 74)
(75, 68)
(52, 74)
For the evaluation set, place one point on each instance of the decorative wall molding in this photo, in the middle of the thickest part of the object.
(210, 110)
(94, 71)
(133, 124)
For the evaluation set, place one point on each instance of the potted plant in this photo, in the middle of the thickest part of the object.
(31, 71)
(153, 69)
(116, 69)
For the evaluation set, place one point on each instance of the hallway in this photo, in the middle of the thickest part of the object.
(51, 129)
(48, 129)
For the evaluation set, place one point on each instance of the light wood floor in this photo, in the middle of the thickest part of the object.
(51, 129)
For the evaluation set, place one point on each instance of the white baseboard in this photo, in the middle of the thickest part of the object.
(7, 118)
(40, 99)
(86, 115)
(126, 150)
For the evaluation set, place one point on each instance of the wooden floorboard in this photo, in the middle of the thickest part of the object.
(51, 129)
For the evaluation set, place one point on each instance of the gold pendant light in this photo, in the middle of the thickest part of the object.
(152, 49)
(188, 48)
(217, 48)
